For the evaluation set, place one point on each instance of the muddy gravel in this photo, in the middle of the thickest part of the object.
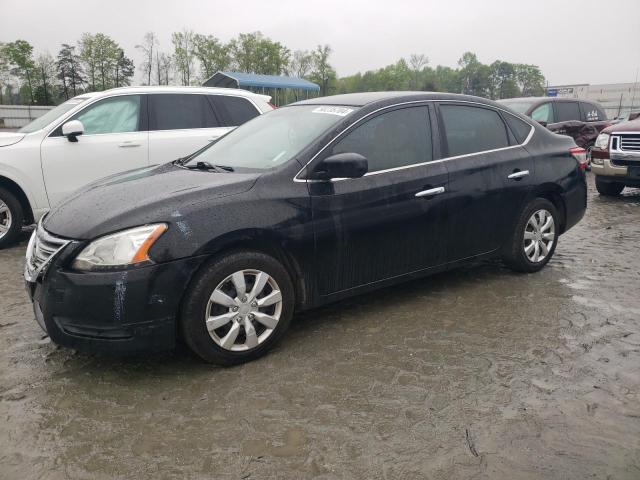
(477, 373)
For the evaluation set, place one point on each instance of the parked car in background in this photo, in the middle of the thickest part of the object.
(305, 205)
(98, 134)
(582, 120)
(615, 158)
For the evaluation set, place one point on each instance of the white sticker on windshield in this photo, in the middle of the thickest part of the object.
(340, 111)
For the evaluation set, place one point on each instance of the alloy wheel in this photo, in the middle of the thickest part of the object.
(243, 310)
(539, 235)
(5, 219)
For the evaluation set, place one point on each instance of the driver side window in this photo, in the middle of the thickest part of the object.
(111, 115)
(544, 113)
(394, 139)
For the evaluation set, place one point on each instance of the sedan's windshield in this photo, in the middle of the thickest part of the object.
(273, 138)
(51, 115)
(519, 106)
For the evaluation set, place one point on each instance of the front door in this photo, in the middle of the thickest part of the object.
(114, 140)
(391, 221)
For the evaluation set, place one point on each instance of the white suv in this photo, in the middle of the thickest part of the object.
(98, 134)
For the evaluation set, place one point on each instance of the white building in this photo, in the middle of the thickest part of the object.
(618, 99)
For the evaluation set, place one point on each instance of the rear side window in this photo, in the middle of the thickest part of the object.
(566, 111)
(234, 111)
(543, 113)
(472, 129)
(180, 111)
(395, 139)
(592, 113)
(519, 128)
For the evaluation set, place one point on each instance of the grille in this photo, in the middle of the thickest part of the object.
(630, 142)
(42, 247)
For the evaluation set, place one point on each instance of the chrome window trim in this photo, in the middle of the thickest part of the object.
(68, 115)
(413, 165)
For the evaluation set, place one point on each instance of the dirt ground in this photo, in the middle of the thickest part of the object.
(478, 373)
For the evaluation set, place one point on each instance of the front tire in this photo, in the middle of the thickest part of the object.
(11, 218)
(609, 189)
(237, 307)
(534, 238)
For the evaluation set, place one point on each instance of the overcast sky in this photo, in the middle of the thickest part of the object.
(572, 41)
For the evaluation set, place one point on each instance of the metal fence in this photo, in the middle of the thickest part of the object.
(16, 116)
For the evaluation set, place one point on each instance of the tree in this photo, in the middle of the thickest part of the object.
(254, 53)
(45, 79)
(323, 73)
(211, 53)
(5, 74)
(148, 49)
(183, 55)
(107, 54)
(124, 70)
(86, 45)
(503, 80)
(20, 55)
(300, 64)
(417, 63)
(163, 68)
(70, 71)
(104, 61)
(474, 76)
(530, 80)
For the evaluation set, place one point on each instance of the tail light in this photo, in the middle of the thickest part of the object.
(580, 154)
(272, 105)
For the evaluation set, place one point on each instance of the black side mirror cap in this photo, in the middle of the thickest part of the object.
(341, 165)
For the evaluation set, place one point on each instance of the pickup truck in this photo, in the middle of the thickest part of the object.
(615, 158)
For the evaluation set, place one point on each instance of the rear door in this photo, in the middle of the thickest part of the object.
(180, 124)
(390, 222)
(115, 139)
(233, 111)
(591, 112)
(489, 177)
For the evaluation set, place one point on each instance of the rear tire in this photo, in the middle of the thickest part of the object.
(609, 189)
(534, 237)
(11, 218)
(208, 318)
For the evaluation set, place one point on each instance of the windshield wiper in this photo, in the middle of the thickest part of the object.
(201, 165)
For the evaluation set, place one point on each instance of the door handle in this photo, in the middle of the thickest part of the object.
(430, 192)
(128, 144)
(518, 175)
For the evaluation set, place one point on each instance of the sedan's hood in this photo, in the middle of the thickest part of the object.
(9, 138)
(139, 197)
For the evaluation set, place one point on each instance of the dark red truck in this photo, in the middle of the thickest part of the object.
(582, 120)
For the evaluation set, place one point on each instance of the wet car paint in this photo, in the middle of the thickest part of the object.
(477, 372)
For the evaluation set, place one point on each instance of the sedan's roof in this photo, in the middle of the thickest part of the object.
(365, 98)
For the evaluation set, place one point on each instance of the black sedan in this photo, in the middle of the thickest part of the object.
(305, 205)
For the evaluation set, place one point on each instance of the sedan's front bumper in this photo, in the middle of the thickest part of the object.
(115, 312)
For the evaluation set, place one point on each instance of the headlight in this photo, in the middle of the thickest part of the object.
(129, 247)
(602, 141)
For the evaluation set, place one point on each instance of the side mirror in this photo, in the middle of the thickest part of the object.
(72, 130)
(342, 165)
(543, 123)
